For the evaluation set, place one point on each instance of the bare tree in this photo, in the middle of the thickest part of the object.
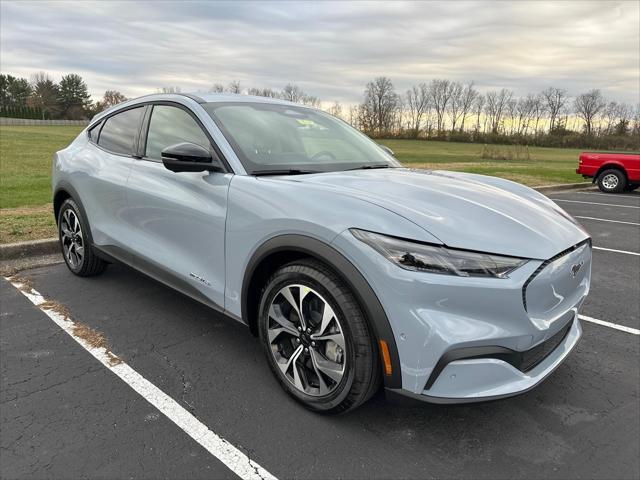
(469, 95)
(455, 103)
(293, 93)
(556, 99)
(496, 104)
(113, 97)
(478, 106)
(354, 116)
(524, 112)
(635, 127)
(169, 90)
(335, 110)
(538, 111)
(440, 94)
(44, 94)
(588, 106)
(380, 107)
(512, 107)
(263, 92)
(311, 101)
(614, 115)
(217, 88)
(417, 100)
(625, 114)
(234, 87)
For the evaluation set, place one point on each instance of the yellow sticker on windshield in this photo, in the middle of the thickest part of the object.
(303, 121)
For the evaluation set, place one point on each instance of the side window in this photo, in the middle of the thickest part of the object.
(119, 132)
(170, 125)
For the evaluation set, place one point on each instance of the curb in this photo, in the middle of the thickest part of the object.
(32, 248)
(563, 187)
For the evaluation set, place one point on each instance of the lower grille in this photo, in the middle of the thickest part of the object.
(537, 354)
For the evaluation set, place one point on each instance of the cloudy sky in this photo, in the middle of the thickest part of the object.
(330, 49)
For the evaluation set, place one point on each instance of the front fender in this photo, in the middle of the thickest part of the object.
(361, 289)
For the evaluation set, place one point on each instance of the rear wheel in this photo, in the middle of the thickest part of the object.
(316, 338)
(612, 181)
(76, 248)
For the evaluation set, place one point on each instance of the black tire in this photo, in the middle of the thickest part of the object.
(612, 181)
(362, 374)
(88, 264)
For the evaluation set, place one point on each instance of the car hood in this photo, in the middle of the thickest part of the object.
(463, 210)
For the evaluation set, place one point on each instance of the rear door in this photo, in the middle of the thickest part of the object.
(107, 163)
(177, 220)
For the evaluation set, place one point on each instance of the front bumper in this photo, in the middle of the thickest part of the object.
(484, 379)
(433, 315)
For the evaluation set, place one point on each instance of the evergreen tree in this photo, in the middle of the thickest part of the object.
(74, 97)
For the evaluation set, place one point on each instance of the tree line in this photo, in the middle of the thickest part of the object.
(440, 109)
(41, 97)
(449, 110)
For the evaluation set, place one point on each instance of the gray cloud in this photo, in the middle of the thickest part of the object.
(331, 49)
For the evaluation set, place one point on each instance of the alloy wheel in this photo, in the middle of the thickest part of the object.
(307, 340)
(72, 240)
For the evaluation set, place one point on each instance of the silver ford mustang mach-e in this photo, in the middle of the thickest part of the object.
(353, 271)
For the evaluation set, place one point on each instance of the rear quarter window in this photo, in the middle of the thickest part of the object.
(119, 131)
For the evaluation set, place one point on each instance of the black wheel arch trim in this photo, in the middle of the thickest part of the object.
(363, 292)
(66, 187)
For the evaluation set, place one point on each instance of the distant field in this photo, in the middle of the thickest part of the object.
(26, 151)
(546, 166)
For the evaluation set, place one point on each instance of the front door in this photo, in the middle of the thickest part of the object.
(178, 219)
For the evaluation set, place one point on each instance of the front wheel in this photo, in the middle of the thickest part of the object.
(316, 338)
(612, 181)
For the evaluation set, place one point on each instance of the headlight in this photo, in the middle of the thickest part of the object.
(437, 259)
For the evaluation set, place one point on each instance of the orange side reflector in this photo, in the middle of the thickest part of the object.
(386, 358)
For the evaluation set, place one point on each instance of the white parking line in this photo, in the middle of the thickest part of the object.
(597, 193)
(616, 251)
(217, 446)
(622, 328)
(594, 203)
(607, 220)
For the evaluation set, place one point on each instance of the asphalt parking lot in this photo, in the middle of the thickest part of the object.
(65, 415)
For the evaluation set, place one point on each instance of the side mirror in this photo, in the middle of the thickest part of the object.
(387, 149)
(189, 157)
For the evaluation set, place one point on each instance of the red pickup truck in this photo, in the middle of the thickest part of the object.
(614, 172)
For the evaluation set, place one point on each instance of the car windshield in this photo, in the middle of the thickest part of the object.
(273, 138)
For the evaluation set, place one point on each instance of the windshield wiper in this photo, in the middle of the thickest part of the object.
(283, 171)
(370, 167)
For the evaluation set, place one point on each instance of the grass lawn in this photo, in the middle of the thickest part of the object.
(25, 179)
(26, 152)
(545, 166)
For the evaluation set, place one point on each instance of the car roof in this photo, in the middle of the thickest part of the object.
(199, 97)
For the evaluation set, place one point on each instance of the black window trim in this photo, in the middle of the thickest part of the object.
(144, 133)
(103, 121)
(139, 146)
(97, 127)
